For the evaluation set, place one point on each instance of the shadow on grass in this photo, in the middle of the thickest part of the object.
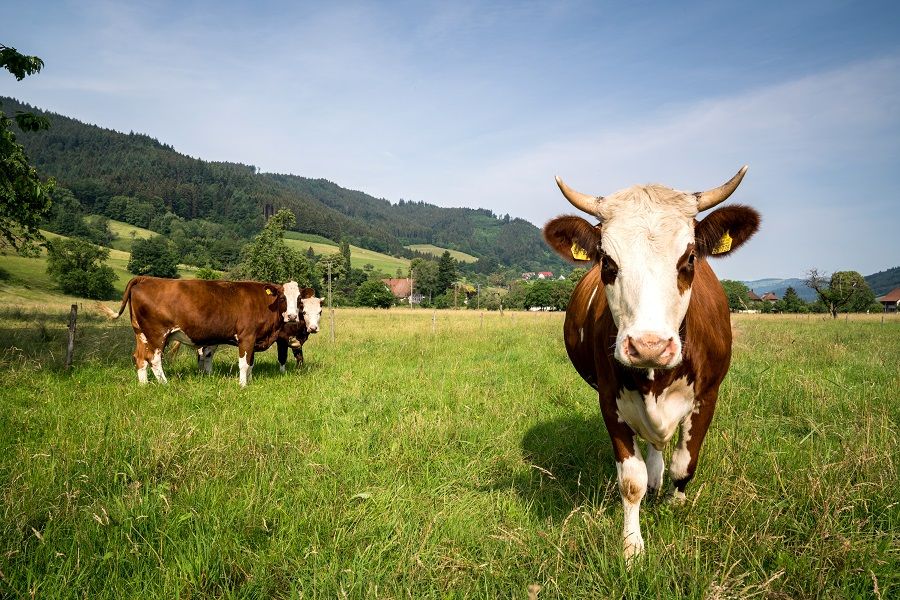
(571, 464)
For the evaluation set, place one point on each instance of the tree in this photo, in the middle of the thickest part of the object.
(539, 294)
(374, 294)
(425, 274)
(792, 302)
(844, 291)
(345, 255)
(737, 294)
(447, 272)
(24, 198)
(268, 258)
(77, 266)
(153, 256)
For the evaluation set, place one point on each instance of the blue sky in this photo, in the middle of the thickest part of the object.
(481, 104)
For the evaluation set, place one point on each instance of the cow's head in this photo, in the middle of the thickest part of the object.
(312, 309)
(647, 244)
(292, 292)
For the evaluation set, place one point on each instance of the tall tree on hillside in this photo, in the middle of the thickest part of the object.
(792, 302)
(844, 291)
(447, 272)
(268, 258)
(24, 198)
(345, 254)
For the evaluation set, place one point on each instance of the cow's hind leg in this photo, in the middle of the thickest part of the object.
(655, 468)
(684, 458)
(245, 362)
(140, 361)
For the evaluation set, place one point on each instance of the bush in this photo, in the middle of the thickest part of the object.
(206, 273)
(374, 294)
(77, 266)
(154, 256)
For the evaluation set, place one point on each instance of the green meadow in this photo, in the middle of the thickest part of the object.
(435, 455)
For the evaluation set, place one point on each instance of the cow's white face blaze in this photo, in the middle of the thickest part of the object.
(312, 311)
(292, 296)
(647, 237)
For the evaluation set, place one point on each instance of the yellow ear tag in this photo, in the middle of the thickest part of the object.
(579, 253)
(268, 292)
(724, 244)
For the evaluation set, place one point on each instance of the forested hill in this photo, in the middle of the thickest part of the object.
(97, 164)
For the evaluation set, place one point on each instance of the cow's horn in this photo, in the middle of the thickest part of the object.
(710, 198)
(583, 202)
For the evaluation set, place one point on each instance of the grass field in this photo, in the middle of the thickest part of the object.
(123, 232)
(438, 251)
(467, 463)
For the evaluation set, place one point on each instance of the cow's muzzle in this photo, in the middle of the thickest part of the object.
(650, 351)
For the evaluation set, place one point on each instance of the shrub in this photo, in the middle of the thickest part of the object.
(154, 256)
(374, 294)
(77, 266)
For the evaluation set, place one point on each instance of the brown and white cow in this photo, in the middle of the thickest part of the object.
(649, 327)
(293, 335)
(246, 314)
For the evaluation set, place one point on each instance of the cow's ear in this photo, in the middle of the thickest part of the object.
(273, 291)
(307, 293)
(725, 230)
(574, 239)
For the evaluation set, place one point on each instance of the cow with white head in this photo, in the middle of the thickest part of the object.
(651, 290)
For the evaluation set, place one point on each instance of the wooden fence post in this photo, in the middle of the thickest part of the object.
(70, 349)
(330, 307)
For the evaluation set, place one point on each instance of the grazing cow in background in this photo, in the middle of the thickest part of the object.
(293, 334)
(246, 314)
(648, 327)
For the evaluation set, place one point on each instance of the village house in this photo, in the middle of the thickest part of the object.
(891, 300)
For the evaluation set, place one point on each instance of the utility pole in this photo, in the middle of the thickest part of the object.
(330, 307)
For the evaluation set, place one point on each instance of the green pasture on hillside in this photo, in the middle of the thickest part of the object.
(459, 457)
(123, 232)
(359, 257)
(29, 281)
(438, 251)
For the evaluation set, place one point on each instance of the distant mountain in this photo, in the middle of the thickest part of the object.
(881, 283)
(884, 281)
(99, 165)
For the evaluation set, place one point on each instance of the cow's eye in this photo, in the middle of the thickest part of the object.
(691, 259)
(608, 270)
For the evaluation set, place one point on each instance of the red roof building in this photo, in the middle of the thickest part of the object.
(769, 297)
(752, 296)
(891, 300)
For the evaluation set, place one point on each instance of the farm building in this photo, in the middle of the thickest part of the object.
(891, 300)
(402, 289)
(753, 296)
(769, 297)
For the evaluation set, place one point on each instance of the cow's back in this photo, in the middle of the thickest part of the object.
(206, 312)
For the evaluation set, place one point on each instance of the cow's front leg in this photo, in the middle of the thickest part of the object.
(298, 356)
(656, 466)
(282, 347)
(632, 478)
(684, 458)
(245, 362)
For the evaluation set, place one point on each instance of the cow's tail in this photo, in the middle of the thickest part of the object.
(174, 348)
(125, 299)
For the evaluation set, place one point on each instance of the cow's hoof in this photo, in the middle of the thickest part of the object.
(676, 498)
(632, 548)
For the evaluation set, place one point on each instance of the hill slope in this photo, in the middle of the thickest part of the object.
(98, 164)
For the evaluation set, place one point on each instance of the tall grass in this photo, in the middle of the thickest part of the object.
(468, 462)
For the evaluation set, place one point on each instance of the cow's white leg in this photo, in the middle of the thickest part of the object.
(655, 468)
(142, 373)
(245, 369)
(156, 365)
(632, 486)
